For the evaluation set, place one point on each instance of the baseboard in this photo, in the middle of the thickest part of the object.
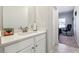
(76, 40)
(53, 49)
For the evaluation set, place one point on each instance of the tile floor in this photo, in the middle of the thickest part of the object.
(62, 48)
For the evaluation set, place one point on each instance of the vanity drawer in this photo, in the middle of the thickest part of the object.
(29, 49)
(39, 37)
(19, 46)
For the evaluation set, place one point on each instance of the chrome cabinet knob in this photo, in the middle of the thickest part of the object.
(36, 46)
(33, 47)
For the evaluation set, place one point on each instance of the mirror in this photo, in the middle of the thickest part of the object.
(16, 16)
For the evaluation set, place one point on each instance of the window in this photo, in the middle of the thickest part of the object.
(62, 22)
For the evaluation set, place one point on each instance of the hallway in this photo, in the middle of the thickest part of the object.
(62, 48)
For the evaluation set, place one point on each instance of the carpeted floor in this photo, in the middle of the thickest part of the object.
(68, 40)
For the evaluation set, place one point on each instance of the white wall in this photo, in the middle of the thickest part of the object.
(15, 16)
(31, 15)
(0, 22)
(47, 18)
(76, 25)
(68, 16)
(55, 26)
(0, 17)
(52, 29)
(42, 15)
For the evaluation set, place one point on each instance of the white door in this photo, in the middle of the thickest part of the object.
(40, 47)
(29, 49)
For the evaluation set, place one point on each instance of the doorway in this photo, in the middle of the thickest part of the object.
(66, 32)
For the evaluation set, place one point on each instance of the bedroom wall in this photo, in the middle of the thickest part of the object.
(68, 16)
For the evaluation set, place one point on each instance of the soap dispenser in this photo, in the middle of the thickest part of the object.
(35, 27)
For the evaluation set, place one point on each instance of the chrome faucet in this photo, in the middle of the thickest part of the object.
(24, 29)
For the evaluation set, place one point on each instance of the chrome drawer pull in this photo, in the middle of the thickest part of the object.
(36, 45)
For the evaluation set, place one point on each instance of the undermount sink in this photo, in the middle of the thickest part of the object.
(25, 33)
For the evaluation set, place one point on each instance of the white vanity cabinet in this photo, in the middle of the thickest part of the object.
(33, 44)
(29, 49)
(40, 44)
(40, 47)
(16, 47)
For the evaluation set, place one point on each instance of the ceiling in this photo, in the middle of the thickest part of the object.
(62, 9)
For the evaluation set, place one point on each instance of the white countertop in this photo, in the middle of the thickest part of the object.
(7, 40)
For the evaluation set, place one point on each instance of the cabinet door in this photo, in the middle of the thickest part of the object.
(40, 47)
(19, 46)
(29, 49)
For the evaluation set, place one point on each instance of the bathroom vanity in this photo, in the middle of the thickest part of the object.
(22, 19)
(32, 42)
(22, 41)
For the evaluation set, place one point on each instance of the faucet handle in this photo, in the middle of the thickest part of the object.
(26, 28)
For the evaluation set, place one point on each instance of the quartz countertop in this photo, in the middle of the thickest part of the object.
(8, 40)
